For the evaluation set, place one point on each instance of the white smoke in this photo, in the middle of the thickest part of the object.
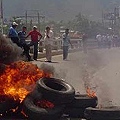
(47, 68)
(82, 71)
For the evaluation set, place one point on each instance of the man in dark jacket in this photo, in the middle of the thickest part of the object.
(26, 48)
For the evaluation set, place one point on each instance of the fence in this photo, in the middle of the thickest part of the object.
(57, 44)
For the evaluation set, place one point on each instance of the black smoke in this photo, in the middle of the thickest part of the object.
(9, 52)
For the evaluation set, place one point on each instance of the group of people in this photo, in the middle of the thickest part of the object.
(19, 38)
(108, 40)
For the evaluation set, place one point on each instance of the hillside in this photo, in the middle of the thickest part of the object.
(56, 9)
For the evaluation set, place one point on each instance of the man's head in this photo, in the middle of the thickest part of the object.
(34, 27)
(24, 28)
(14, 24)
(47, 28)
(67, 30)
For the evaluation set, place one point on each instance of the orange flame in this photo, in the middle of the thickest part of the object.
(90, 93)
(19, 79)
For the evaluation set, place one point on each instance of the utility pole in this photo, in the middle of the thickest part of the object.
(26, 17)
(116, 15)
(38, 21)
(103, 18)
(1, 12)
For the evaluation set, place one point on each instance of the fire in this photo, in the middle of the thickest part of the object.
(90, 93)
(44, 104)
(19, 78)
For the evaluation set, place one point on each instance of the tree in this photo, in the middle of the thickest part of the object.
(82, 23)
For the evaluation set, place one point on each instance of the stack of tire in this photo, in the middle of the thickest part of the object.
(62, 95)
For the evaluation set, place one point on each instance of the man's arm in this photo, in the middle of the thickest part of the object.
(70, 42)
(10, 33)
(40, 35)
(19, 33)
(64, 36)
(28, 35)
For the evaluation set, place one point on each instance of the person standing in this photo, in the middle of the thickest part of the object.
(48, 43)
(13, 35)
(35, 38)
(109, 40)
(99, 40)
(66, 42)
(84, 42)
(24, 45)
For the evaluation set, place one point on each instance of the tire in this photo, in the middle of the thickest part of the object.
(106, 113)
(35, 94)
(36, 113)
(77, 107)
(75, 112)
(56, 90)
(83, 101)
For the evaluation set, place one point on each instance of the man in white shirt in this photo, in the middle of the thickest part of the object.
(48, 41)
(66, 42)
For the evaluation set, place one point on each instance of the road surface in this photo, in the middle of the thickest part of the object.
(98, 69)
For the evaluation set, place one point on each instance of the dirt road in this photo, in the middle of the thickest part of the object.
(98, 69)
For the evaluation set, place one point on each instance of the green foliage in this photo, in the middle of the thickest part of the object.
(82, 24)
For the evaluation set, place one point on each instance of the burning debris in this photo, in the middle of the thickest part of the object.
(90, 92)
(87, 84)
(19, 78)
(44, 104)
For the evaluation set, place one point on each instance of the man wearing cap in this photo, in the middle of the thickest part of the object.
(24, 45)
(13, 34)
(35, 38)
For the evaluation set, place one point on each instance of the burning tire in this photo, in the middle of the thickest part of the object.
(77, 107)
(35, 94)
(106, 113)
(56, 90)
(34, 112)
